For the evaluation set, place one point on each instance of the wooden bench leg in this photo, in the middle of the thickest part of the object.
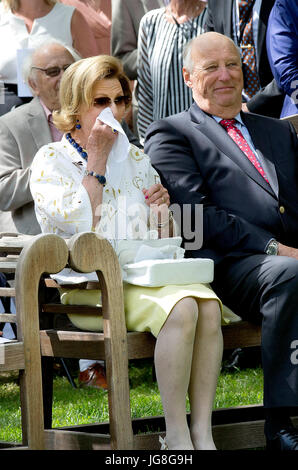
(47, 367)
(44, 253)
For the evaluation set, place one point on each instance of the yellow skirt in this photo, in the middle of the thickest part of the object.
(146, 308)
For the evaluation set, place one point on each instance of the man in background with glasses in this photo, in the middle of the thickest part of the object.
(27, 128)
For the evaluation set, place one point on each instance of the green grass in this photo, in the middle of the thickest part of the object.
(81, 406)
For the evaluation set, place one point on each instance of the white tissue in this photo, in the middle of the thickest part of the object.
(119, 150)
(121, 145)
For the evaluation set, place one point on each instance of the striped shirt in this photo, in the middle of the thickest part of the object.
(161, 88)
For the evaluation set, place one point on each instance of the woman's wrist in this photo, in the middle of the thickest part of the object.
(100, 178)
(163, 222)
(96, 165)
(167, 221)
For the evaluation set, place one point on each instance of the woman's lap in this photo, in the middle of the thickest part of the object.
(146, 308)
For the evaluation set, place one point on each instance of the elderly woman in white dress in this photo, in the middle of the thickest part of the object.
(77, 184)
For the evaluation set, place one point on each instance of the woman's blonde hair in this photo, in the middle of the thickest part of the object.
(77, 87)
(14, 5)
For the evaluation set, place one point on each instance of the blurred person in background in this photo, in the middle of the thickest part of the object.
(126, 17)
(25, 23)
(282, 49)
(162, 36)
(98, 15)
(245, 21)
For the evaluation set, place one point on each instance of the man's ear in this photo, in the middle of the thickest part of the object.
(187, 77)
(32, 84)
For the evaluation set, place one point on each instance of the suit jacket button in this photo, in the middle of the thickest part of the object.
(282, 209)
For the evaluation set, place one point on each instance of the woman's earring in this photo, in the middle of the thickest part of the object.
(78, 125)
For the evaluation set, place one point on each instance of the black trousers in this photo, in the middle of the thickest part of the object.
(264, 289)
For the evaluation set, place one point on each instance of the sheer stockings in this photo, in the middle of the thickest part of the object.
(188, 356)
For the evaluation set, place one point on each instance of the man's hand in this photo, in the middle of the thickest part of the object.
(284, 250)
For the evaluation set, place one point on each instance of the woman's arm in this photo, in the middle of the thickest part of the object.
(98, 147)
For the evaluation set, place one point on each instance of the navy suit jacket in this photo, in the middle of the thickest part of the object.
(220, 19)
(200, 164)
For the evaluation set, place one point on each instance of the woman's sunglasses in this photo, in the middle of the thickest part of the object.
(105, 101)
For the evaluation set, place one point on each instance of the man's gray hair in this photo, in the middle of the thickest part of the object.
(188, 62)
(27, 70)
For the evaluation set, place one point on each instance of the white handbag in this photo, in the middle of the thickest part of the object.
(162, 272)
(160, 262)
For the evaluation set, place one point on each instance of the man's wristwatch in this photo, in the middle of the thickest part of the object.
(272, 248)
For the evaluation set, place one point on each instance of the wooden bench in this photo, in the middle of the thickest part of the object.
(236, 428)
(12, 352)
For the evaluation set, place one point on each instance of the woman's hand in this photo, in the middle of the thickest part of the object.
(99, 145)
(157, 195)
(158, 199)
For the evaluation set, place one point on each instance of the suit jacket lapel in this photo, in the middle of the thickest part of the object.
(218, 136)
(38, 124)
(262, 143)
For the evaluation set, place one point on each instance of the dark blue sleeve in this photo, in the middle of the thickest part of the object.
(282, 45)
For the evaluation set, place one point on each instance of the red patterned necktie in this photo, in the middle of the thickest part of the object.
(248, 52)
(237, 136)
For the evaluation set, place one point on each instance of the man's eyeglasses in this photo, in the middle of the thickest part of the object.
(105, 101)
(53, 71)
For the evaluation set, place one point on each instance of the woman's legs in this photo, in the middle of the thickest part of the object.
(206, 363)
(188, 355)
(173, 359)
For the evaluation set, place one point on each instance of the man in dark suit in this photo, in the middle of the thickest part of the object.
(224, 17)
(243, 168)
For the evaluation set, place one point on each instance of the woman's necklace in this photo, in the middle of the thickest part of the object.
(100, 178)
(77, 146)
